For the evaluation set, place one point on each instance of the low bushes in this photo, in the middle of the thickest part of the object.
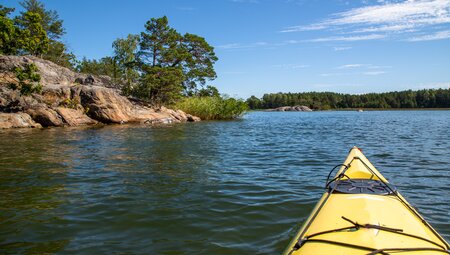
(213, 108)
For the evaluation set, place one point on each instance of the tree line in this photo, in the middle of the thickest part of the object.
(426, 98)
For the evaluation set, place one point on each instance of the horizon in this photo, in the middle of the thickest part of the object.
(268, 46)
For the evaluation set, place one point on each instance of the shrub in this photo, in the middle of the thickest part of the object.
(213, 108)
(29, 80)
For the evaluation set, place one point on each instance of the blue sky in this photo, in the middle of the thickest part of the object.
(268, 46)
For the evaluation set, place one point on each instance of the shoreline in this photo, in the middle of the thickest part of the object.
(364, 109)
(388, 109)
(68, 98)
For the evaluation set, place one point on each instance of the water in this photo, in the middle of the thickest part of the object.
(237, 187)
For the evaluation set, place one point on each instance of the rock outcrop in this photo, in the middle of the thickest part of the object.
(45, 116)
(297, 108)
(72, 99)
(17, 120)
(51, 73)
(74, 117)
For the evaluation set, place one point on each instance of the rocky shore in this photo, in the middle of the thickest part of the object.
(72, 99)
(297, 108)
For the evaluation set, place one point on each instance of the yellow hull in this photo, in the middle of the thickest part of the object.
(353, 220)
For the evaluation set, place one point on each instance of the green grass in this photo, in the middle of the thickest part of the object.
(213, 108)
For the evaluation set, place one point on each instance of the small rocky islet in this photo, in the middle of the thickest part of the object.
(72, 99)
(296, 108)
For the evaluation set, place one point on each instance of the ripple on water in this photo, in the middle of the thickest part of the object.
(236, 187)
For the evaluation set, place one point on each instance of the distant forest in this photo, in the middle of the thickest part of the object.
(427, 98)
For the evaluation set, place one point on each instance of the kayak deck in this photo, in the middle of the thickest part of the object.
(361, 219)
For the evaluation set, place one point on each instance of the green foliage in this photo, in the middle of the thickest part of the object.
(125, 54)
(104, 66)
(23, 35)
(198, 63)
(5, 11)
(209, 91)
(213, 108)
(254, 103)
(31, 38)
(57, 51)
(50, 20)
(428, 98)
(169, 64)
(159, 43)
(8, 32)
(35, 31)
(59, 54)
(29, 79)
(160, 85)
(159, 65)
(163, 46)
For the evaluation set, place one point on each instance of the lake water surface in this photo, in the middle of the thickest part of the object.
(232, 187)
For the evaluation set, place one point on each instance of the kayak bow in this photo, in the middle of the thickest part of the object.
(362, 213)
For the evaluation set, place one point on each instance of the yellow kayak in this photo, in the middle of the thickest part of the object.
(361, 213)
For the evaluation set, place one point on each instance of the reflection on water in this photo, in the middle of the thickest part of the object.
(236, 187)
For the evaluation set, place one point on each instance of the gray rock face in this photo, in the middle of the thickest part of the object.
(74, 117)
(45, 116)
(50, 72)
(17, 120)
(105, 105)
(65, 102)
(297, 108)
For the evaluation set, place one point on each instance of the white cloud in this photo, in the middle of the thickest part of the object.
(291, 42)
(231, 46)
(303, 28)
(389, 17)
(349, 38)
(348, 66)
(261, 44)
(415, 12)
(377, 67)
(357, 69)
(342, 48)
(386, 28)
(430, 37)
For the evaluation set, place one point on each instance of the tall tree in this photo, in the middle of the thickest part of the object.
(160, 85)
(53, 26)
(59, 54)
(32, 37)
(50, 20)
(159, 44)
(125, 52)
(198, 60)
(208, 91)
(104, 66)
(254, 102)
(163, 46)
(8, 32)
